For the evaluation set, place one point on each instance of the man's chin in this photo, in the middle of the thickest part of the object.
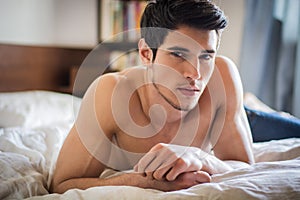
(188, 106)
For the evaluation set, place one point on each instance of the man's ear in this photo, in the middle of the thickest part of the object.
(145, 52)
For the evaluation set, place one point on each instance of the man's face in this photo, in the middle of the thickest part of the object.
(183, 66)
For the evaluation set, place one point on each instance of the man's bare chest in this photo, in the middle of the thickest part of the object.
(190, 131)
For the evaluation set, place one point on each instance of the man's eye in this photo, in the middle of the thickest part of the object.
(177, 54)
(205, 57)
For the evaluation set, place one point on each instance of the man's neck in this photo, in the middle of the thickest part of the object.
(160, 109)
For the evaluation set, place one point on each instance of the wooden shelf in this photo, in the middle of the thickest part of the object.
(120, 46)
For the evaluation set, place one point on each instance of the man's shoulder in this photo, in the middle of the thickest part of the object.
(125, 76)
(228, 71)
(106, 82)
(114, 85)
(226, 66)
(230, 79)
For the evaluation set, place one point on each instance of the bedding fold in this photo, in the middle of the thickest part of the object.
(28, 156)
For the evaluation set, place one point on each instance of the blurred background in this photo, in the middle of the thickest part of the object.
(263, 37)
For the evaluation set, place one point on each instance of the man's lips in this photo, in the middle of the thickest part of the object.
(189, 91)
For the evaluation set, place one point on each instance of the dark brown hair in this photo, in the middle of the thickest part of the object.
(160, 16)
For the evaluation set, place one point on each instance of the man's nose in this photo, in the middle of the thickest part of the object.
(192, 71)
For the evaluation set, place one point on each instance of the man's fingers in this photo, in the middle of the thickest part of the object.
(141, 166)
(182, 166)
(160, 173)
(168, 162)
(202, 177)
(153, 165)
(161, 164)
(176, 170)
(154, 159)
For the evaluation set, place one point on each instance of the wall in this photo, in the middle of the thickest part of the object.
(232, 35)
(73, 23)
(66, 23)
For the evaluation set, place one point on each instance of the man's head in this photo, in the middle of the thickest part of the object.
(170, 14)
(179, 44)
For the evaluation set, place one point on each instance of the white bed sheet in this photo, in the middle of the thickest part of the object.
(28, 156)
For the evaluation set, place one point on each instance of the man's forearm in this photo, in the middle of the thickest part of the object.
(185, 180)
(130, 179)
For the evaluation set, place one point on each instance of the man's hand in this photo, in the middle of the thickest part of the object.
(183, 181)
(169, 161)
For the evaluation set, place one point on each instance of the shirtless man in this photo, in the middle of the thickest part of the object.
(175, 121)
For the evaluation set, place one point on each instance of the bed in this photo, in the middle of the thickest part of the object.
(35, 117)
(35, 123)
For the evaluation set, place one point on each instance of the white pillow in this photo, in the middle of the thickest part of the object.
(36, 108)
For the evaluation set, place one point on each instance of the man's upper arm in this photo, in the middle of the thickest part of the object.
(89, 138)
(235, 141)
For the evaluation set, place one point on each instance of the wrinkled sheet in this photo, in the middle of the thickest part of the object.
(28, 156)
(35, 124)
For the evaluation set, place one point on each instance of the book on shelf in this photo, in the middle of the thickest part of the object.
(120, 60)
(120, 20)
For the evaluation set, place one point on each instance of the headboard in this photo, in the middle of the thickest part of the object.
(37, 68)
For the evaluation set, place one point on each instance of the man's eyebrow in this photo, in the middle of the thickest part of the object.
(177, 48)
(208, 51)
